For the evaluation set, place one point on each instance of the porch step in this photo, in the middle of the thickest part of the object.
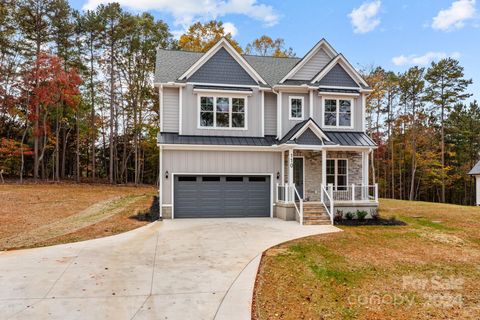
(310, 218)
(320, 220)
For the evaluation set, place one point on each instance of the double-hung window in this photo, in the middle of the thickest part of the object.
(338, 113)
(337, 173)
(222, 112)
(296, 108)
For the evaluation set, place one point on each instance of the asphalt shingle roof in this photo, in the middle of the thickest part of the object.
(171, 64)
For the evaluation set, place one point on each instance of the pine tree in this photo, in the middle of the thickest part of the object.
(446, 87)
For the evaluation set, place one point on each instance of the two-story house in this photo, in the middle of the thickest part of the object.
(258, 136)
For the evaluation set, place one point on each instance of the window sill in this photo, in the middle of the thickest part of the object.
(222, 128)
(337, 127)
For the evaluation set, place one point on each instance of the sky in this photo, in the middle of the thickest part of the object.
(389, 33)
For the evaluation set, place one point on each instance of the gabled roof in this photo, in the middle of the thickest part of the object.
(171, 64)
(322, 44)
(476, 169)
(177, 65)
(223, 43)
(301, 127)
(340, 59)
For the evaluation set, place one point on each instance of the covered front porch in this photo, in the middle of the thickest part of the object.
(326, 180)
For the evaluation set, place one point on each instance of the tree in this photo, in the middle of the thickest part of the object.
(201, 37)
(462, 136)
(412, 88)
(34, 23)
(51, 86)
(143, 36)
(266, 46)
(89, 29)
(446, 87)
(113, 32)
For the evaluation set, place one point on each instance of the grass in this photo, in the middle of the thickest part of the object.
(35, 215)
(427, 269)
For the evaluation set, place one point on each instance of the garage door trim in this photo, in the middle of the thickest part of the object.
(174, 174)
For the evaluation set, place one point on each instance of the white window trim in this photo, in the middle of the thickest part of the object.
(335, 185)
(230, 97)
(352, 115)
(290, 107)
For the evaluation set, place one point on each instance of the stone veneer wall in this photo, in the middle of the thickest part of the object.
(313, 169)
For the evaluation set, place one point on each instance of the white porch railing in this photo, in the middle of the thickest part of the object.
(328, 202)
(289, 194)
(353, 193)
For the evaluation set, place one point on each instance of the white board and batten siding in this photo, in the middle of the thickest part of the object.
(170, 109)
(218, 162)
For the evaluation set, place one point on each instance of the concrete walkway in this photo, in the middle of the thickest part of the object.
(181, 269)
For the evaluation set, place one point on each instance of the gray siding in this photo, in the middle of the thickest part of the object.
(338, 77)
(220, 162)
(190, 116)
(170, 109)
(270, 114)
(313, 66)
(309, 138)
(222, 68)
(286, 123)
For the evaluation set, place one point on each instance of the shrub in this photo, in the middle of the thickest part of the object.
(349, 216)
(374, 213)
(338, 215)
(361, 214)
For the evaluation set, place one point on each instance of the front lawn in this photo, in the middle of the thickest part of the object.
(428, 269)
(34, 215)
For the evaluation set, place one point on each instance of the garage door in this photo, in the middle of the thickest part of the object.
(221, 196)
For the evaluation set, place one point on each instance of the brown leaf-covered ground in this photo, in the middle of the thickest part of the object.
(428, 269)
(35, 215)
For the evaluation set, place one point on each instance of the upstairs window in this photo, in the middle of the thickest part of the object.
(338, 113)
(222, 112)
(296, 108)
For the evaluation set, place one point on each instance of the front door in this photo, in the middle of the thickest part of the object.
(298, 174)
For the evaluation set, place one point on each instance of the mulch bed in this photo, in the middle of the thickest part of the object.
(370, 222)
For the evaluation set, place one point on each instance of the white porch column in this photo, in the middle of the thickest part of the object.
(279, 115)
(290, 166)
(365, 155)
(310, 105)
(283, 168)
(160, 181)
(477, 179)
(324, 167)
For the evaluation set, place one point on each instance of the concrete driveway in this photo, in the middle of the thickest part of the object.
(181, 269)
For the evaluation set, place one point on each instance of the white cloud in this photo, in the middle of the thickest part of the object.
(185, 12)
(229, 27)
(364, 18)
(423, 60)
(455, 16)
